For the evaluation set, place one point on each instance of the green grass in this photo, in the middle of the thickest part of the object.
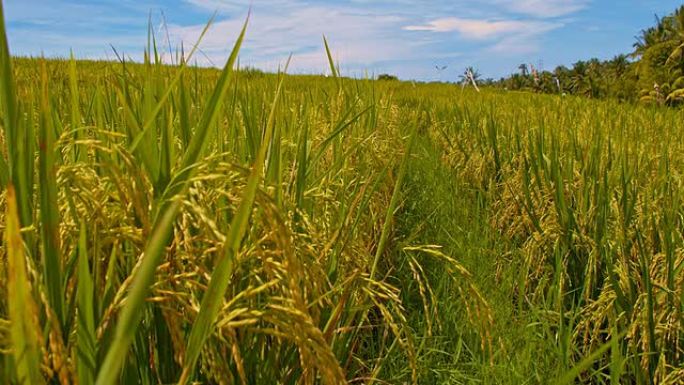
(172, 224)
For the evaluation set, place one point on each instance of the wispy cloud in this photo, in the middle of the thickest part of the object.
(483, 29)
(374, 34)
(403, 37)
(241, 5)
(359, 38)
(502, 36)
(544, 8)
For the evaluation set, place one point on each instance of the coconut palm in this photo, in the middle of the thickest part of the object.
(618, 65)
(470, 75)
(674, 31)
(650, 37)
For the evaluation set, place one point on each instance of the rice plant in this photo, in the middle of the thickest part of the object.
(172, 224)
(175, 224)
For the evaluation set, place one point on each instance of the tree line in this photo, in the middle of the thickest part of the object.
(652, 73)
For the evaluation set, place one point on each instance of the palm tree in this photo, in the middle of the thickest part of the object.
(676, 32)
(675, 93)
(475, 73)
(563, 74)
(619, 66)
(583, 80)
(660, 50)
(470, 75)
(650, 37)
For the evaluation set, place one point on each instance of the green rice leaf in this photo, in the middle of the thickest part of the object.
(22, 311)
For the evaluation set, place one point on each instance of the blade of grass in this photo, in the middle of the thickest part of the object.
(4, 172)
(394, 201)
(132, 312)
(22, 312)
(15, 138)
(86, 341)
(586, 362)
(331, 62)
(49, 214)
(75, 103)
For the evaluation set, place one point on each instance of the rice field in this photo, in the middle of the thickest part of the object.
(174, 224)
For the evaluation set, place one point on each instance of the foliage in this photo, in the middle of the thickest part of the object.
(652, 73)
(387, 77)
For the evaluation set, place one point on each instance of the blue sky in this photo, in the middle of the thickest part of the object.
(407, 38)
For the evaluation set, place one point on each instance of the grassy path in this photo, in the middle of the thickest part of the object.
(443, 210)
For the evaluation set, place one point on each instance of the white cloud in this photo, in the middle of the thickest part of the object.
(482, 29)
(544, 8)
(505, 36)
(374, 38)
(515, 45)
(358, 39)
(241, 5)
(374, 35)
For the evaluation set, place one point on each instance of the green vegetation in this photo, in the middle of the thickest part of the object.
(171, 224)
(387, 77)
(653, 73)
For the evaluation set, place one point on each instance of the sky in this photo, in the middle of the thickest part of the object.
(410, 39)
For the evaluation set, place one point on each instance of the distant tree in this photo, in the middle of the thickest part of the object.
(676, 34)
(470, 76)
(653, 72)
(387, 77)
(649, 37)
(619, 66)
(252, 72)
(676, 59)
(563, 75)
(465, 77)
(620, 78)
(546, 83)
(488, 82)
(515, 82)
(660, 62)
